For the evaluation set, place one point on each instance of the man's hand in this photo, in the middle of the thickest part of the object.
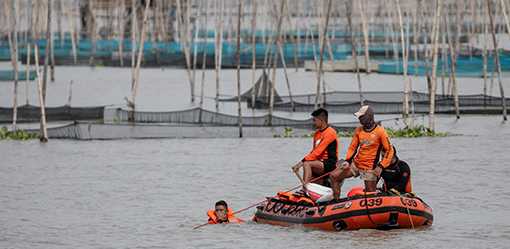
(378, 171)
(343, 164)
(296, 167)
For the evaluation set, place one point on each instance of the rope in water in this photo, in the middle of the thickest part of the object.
(260, 202)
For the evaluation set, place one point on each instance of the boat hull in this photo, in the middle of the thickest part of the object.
(360, 212)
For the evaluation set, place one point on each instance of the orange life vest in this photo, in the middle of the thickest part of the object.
(289, 196)
(230, 215)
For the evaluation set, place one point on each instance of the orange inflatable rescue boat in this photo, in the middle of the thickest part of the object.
(360, 210)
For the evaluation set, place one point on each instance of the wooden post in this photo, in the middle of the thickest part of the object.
(432, 93)
(238, 57)
(121, 31)
(70, 95)
(43, 131)
(496, 54)
(204, 61)
(254, 51)
(484, 55)
(12, 34)
(27, 68)
(92, 32)
(407, 83)
(47, 50)
(218, 50)
(184, 18)
(134, 27)
(321, 61)
(140, 56)
(354, 46)
(365, 35)
(275, 62)
(72, 20)
(453, 66)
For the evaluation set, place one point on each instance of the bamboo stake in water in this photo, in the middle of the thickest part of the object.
(498, 64)
(139, 59)
(13, 47)
(238, 57)
(121, 31)
(433, 82)
(218, 50)
(452, 67)
(47, 50)
(404, 63)
(275, 54)
(354, 46)
(71, 18)
(365, 35)
(92, 32)
(70, 95)
(321, 60)
(27, 68)
(43, 130)
(254, 51)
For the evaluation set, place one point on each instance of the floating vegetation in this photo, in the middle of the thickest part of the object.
(16, 135)
(417, 131)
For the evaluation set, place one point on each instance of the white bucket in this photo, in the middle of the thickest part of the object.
(319, 193)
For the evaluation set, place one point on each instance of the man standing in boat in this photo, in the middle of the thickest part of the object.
(362, 158)
(324, 155)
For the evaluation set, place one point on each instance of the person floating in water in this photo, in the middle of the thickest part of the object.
(222, 214)
(324, 155)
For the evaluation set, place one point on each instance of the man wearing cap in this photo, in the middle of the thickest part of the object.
(362, 158)
(324, 155)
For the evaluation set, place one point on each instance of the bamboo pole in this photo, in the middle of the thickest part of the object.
(452, 66)
(72, 23)
(365, 35)
(134, 27)
(27, 68)
(12, 34)
(321, 61)
(204, 62)
(354, 46)
(42, 104)
(498, 64)
(432, 93)
(195, 50)
(275, 61)
(407, 83)
(238, 57)
(254, 51)
(122, 8)
(218, 50)
(185, 18)
(139, 59)
(47, 50)
(92, 32)
(484, 56)
(70, 93)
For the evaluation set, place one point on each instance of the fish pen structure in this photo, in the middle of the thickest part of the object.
(30, 113)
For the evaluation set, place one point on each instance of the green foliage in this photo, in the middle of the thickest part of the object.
(417, 131)
(16, 135)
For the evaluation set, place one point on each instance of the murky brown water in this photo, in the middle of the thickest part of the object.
(149, 193)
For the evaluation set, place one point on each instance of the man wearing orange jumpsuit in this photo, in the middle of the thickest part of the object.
(362, 158)
(324, 155)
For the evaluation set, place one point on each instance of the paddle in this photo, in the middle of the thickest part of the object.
(260, 202)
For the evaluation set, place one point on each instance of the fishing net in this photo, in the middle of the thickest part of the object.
(30, 113)
(199, 116)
